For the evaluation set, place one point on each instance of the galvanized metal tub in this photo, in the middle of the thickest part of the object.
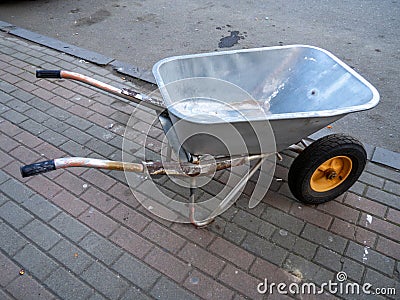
(305, 87)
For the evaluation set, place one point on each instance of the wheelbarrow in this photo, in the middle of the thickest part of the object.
(218, 105)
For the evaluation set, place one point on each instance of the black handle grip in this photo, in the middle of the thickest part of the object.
(48, 73)
(37, 168)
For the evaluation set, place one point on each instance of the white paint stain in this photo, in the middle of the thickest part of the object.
(369, 219)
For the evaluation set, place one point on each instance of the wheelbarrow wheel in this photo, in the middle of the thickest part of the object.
(327, 168)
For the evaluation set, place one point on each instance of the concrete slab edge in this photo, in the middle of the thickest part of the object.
(375, 154)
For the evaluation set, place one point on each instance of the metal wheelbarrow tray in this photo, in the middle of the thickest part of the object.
(211, 98)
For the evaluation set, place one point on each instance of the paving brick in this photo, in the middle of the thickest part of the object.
(79, 123)
(41, 234)
(388, 247)
(246, 220)
(56, 125)
(99, 199)
(232, 253)
(28, 139)
(336, 262)
(101, 248)
(168, 290)
(18, 105)
(380, 226)
(3, 198)
(71, 257)
(206, 287)
(5, 159)
(365, 204)
(75, 149)
(70, 203)
(10, 240)
(283, 220)
(202, 237)
(16, 190)
(52, 137)
(162, 261)
(164, 237)
(130, 218)
(325, 238)
(380, 281)
(59, 113)
(358, 188)
(98, 221)
(383, 172)
(393, 215)
(240, 281)
(25, 155)
(313, 216)
(100, 147)
(15, 215)
(63, 92)
(25, 287)
(24, 96)
(201, 259)
(134, 293)
(8, 270)
(266, 229)
(264, 249)
(80, 111)
(7, 87)
(383, 197)
(353, 232)
(33, 127)
(99, 179)
(229, 231)
(370, 258)
(37, 115)
(99, 120)
(339, 210)
(131, 242)
(136, 271)
(304, 248)
(101, 133)
(71, 183)
(278, 201)
(308, 270)
(11, 129)
(35, 262)
(6, 143)
(77, 135)
(43, 94)
(70, 227)
(49, 151)
(372, 179)
(67, 286)
(96, 275)
(392, 187)
(60, 102)
(14, 117)
(41, 207)
(44, 186)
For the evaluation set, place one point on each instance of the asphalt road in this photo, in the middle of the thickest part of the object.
(364, 34)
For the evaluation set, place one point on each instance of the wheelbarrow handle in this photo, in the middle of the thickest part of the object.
(126, 93)
(48, 74)
(37, 168)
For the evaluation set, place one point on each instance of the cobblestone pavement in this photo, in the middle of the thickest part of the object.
(80, 233)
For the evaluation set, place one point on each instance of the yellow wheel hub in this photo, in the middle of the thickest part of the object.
(331, 174)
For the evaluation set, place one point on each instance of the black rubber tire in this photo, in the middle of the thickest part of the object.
(316, 154)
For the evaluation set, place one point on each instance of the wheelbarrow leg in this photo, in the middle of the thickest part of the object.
(224, 203)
